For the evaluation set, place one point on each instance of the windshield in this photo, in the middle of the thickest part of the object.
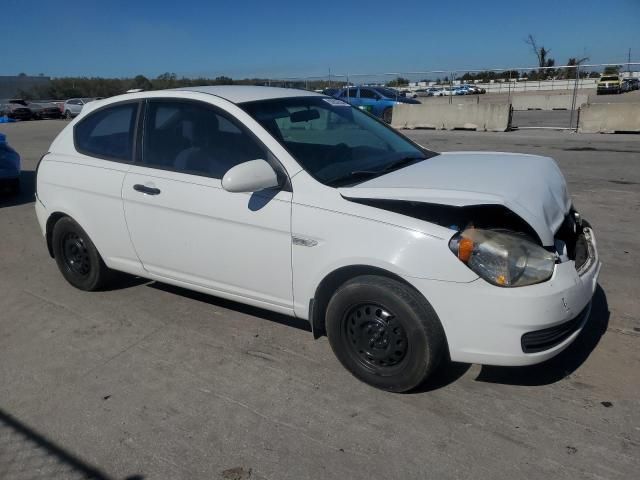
(337, 144)
(610, 78)
(387, 92)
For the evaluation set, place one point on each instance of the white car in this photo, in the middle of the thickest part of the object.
(298, 203)
(74, 106)
(441, 92)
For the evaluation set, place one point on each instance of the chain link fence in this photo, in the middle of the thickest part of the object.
(567, 87)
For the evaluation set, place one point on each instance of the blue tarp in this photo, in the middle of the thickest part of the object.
(9, 159)
(5, 119)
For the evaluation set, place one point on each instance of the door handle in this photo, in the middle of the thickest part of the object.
(144, 189)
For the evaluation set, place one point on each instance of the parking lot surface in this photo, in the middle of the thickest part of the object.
(156, 382)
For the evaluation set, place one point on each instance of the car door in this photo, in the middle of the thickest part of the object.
(185, 227)
(369, 100)
(72, 106)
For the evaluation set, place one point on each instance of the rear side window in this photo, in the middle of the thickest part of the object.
(108, 133)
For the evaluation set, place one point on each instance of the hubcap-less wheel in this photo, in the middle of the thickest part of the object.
(376, 339)
(76, 256)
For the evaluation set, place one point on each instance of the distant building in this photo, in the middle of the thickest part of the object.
(10, 86)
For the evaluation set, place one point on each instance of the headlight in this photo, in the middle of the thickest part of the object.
(503, 259)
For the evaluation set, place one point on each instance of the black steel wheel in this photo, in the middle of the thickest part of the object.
(375, 336)
(77, 257)
(384, 332)
(75, 254)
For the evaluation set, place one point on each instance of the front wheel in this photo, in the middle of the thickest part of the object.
(67, 115)
(384, 332)
(77, 257)
(386, 115)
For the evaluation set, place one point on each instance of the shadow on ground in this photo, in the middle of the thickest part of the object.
(27, 455)
(27, 191)
(235, 306)
(563, 364)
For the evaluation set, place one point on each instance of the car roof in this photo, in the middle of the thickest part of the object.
(249, 93)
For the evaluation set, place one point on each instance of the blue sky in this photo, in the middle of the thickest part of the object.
(242, 38)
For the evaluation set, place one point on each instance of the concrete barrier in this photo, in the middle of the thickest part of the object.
(493, 117)
(609, 118)
(546, 102)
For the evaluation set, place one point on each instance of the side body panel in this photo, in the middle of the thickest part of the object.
(196, 232)
(89, 191)
(340, 233)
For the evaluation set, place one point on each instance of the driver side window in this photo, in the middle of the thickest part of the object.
(194, 138)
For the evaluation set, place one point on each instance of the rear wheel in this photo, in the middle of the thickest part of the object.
(77, 257)
(386, 115)
(384, 332)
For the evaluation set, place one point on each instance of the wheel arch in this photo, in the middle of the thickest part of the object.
(332, 281)
(51, 221)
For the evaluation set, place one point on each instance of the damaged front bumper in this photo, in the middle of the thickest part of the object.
(516, 326)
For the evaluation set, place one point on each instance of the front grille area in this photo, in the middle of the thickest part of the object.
(547, 338)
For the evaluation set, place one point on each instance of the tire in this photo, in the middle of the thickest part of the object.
(67, 115)
(77, 257)
(386, 115)
(384, 332)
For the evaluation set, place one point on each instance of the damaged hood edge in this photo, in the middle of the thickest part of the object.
(537, 194)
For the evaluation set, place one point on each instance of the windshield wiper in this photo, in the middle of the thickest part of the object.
(360, 174)
(395, 165)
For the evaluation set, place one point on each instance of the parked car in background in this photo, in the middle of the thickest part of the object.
(471, 89)
(300, 204)
(629, 84)
(330, 91)
(15, 109)
(440, 92)
(378, 101)
(73, 106)
(609, 84)
(41, 109)
(9, 167)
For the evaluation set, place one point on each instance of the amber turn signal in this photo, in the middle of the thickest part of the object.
(465, 249)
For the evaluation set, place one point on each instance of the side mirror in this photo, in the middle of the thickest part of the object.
(250, 176)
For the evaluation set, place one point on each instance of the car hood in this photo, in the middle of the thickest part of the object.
(530, 186)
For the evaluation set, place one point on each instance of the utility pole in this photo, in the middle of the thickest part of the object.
(629, 63)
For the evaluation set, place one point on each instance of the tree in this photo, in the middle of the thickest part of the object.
(542, 54)
(141, 82)
(397, 82)
(573, 65)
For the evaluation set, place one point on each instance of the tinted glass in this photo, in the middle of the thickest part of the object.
(367, 93)
(387, 92)
(108, 133)
(194, 138)
(337, 144)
